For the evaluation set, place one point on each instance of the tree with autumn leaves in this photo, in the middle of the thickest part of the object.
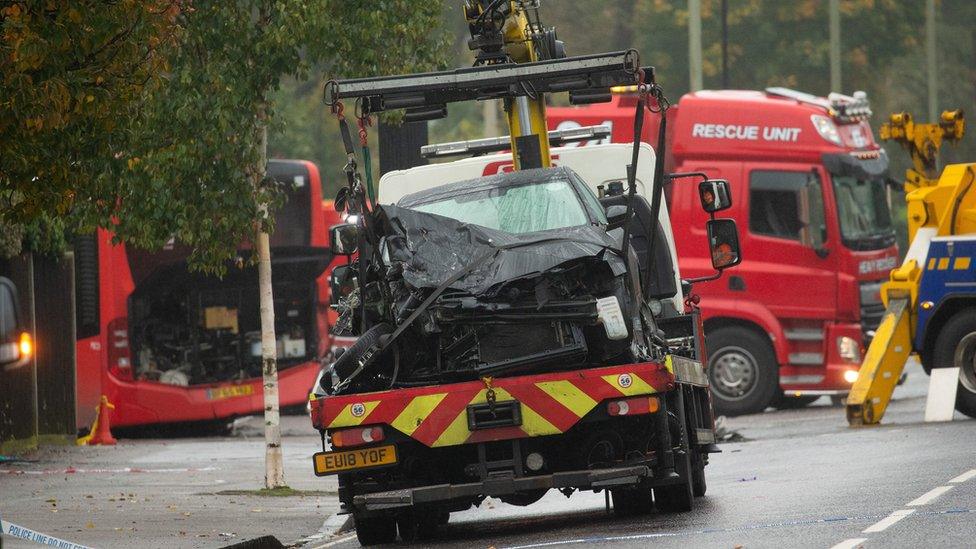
(151, 118)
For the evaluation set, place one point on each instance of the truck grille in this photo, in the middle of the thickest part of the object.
(872, 309)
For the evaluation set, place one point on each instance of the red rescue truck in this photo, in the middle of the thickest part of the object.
(169, 345)
(809, 194)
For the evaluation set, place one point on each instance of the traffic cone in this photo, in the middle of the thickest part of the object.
(102, 429)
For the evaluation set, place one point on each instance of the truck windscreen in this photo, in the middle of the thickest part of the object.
(550, 204)
(862, 209)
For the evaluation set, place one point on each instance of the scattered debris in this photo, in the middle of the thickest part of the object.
(723, 433)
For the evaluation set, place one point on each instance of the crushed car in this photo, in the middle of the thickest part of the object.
(505, 275)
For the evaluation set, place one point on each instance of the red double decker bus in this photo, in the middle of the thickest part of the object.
(170, 345)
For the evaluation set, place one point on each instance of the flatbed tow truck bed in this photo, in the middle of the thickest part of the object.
(443, 448)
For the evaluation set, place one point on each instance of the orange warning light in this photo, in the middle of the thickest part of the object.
(26, 345)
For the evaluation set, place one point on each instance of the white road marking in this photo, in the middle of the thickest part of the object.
(964, 477)
(884, 523)
(849, 543)
(929, 496)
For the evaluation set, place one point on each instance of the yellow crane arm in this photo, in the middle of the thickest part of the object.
(520, 41)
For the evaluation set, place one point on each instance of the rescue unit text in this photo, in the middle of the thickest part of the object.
(750, 133)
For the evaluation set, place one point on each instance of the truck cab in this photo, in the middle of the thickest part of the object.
(809, 195)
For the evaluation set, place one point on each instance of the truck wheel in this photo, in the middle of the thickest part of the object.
(957, 340)
(375, 530)
(677, 498)
(698, 486)
(631, 501)
(742, 371)
(414, 526)
(346, 364)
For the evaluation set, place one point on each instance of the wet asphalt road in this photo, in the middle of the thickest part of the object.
(803, 479)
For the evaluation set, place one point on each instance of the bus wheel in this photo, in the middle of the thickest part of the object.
(956, 345)
(375, 530)
(742, 371)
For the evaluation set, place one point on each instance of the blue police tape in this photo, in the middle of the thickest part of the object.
(19, 532)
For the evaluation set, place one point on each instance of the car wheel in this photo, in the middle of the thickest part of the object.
(742, 371)
(956, 344)
(348, 362)
(375, 530)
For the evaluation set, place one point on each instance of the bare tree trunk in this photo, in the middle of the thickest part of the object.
(274, 473)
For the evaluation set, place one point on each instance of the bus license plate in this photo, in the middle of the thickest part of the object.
(329, 463)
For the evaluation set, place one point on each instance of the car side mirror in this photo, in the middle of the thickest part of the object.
(616, 216)
(344, 238)
(714, 195)
(723, 242)
(342, 282)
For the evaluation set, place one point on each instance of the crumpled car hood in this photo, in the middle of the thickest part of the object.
(433, 248)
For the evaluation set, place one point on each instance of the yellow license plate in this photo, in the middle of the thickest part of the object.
(328, 463)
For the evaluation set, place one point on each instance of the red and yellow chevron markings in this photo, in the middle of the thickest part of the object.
(437, 415)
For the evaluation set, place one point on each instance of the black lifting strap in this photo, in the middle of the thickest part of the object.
(658, 172)
(632, 171)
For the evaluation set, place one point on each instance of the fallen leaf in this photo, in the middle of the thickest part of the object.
(90, 525)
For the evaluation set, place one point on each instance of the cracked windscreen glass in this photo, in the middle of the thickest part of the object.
(547, 205)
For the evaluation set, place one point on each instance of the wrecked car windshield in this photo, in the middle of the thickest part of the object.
(542, 206)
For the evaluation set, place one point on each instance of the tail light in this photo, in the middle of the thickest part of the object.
(119, 356)
(633, 406)
(346, 438)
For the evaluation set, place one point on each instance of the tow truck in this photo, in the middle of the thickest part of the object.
(611, 397)
(930, 299)
(810, 193)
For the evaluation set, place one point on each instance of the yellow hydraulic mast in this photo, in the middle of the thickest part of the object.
(502, 32)
(929, 199)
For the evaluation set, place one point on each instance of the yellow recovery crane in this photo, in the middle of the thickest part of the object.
(931, 298)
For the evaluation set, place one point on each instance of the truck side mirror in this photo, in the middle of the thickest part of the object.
(616, 216)
(811, 215)
(715, 195)
(344, 238)
(723, 242)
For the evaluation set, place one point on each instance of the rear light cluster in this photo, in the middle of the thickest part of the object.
(346, 438)
(633, 406)
(119, 357)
